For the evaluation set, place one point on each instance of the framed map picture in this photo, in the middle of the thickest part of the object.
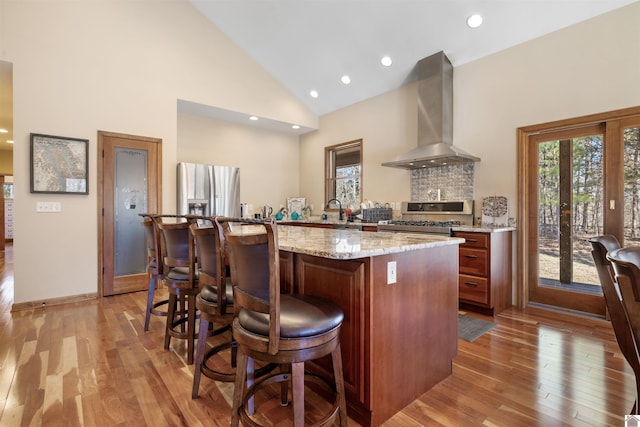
(59, 164)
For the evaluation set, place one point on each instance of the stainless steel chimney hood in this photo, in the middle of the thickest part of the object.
(435, 118)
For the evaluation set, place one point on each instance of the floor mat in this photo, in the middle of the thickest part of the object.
(471, 328)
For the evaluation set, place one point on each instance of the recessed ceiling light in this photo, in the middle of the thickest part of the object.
(346, 79)
(314, 93)
(254, 118)
(386, 61)
(9, 141)
(4, 131)
(295, 127)
(474, 21)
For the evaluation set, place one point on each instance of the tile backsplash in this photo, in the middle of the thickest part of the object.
(454, 182)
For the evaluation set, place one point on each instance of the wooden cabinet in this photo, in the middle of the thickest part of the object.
(484, 279)
(397, 340)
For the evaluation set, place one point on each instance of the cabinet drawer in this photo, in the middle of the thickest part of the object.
(473, 288)
(474, 261)
(473, 240)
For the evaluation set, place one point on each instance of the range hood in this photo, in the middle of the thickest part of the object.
(435, 118)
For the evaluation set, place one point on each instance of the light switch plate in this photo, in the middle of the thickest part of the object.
(48, 207)
(391, 272)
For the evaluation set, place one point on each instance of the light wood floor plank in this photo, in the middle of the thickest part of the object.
(91, 364)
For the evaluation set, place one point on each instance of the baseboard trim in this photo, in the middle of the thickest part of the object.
(29, 305)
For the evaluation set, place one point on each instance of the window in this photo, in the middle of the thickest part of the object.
(343, 173)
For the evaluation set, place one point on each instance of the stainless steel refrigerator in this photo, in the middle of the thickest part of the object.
(208, 190)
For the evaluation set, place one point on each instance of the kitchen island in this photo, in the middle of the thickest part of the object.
(399, 334)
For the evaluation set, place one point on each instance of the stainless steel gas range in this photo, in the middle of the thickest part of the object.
(432, 217)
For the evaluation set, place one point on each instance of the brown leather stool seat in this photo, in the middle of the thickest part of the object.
(300, 316)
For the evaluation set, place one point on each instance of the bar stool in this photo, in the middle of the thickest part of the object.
(214, 303)
(601, 246)
(626, 267)
(180, 277)
(154, 269)
(282, 329)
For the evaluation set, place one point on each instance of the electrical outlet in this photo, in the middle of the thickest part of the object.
(391, 272)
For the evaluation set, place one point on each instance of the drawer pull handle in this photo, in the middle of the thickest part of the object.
(472, 240)
(471, 256)
(471, 284)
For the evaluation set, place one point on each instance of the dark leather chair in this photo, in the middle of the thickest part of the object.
(154, 270)
(277, 328)
(625, 264)
(181, 279)
(215, 305)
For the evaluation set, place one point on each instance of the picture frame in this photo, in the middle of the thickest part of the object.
(59, 165)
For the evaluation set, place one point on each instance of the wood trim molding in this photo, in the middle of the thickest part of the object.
(29, 305)
(527, 137)
(522, 289)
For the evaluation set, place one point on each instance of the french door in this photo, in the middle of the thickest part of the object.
(579, 178)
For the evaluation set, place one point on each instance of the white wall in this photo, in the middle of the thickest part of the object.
(588, 68)
(268, 161)
(387, 125)
(120, 66)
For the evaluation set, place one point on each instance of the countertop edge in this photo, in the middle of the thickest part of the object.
(483, 229)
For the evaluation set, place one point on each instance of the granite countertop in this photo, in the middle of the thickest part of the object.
(330, 221)
(349, 244)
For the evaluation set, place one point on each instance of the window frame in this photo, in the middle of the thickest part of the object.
(329, 169)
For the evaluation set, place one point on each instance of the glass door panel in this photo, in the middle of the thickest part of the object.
(130, 198)
(570, 211)
(570, 167)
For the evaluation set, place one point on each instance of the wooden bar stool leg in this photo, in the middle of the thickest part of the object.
(171, 314)
(183, 310)
(238, 392)
(201, 349)
(297, 380)
(250, 379)
(336, 358)
(151, 293)
(191, 326)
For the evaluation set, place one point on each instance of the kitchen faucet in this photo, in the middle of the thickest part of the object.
(339, 204)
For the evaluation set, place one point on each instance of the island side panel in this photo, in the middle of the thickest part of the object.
(345, 283)
(414, 333)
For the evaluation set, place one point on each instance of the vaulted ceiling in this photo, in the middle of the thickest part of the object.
(310, 44)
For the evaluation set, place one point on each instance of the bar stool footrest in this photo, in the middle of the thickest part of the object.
(277, 377)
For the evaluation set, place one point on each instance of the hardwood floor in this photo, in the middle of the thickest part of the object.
(92, 364)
